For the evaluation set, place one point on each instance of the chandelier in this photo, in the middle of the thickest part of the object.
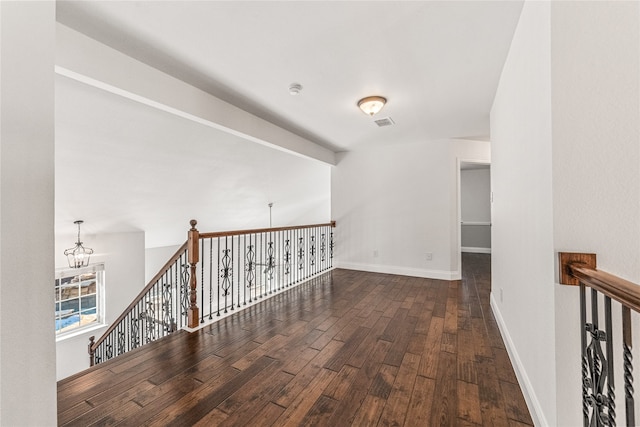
(78, 256)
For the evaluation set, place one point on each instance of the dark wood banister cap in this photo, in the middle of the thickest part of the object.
(264, 230)
(576, 268)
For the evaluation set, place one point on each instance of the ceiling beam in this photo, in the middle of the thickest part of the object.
(88, 61)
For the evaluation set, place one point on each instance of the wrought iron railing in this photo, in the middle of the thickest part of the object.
(242, 267)
(214, 274)
(597, 340)
(158, 310)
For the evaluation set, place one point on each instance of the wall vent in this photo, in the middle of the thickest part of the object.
(387, 121)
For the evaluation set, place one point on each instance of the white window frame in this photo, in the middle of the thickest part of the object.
(99, 270)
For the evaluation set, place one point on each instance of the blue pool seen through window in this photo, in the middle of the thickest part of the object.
(78, 298)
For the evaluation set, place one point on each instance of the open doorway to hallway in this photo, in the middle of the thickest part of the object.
(475, 207)
(474, 212)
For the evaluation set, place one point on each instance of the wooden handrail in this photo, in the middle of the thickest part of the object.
(582, 269)
(263, 230)
(191, 247)
(596, 332)
(143, 292)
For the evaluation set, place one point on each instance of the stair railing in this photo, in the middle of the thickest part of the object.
(598, 383)
(238, 269)
(158, 310)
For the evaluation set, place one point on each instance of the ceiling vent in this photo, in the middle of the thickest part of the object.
(387, 121)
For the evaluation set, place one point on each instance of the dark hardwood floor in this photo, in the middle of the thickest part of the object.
(349, 348)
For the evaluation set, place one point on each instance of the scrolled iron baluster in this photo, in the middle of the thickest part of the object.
(176, 271)
(225, 271)
(300, 254)
(218, 276)
(287, 257)
(225, 274)
(611, 395)
(312, 251)
(231, 274)
(127, 326)
(587, 385)
(586, 390)
(595, 352)
(182, 313)
(279, 257)
(109, 349)
(270, 264)
(135, 331)
(121, 342)
(149, 316)
(239, 269)
(598, 389)
(331, 248)
(598, 399)
(210, 279)
(250, 267)
(628, 383)
(628, 366)
(166, 307)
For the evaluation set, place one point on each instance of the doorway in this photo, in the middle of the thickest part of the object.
(474, 208)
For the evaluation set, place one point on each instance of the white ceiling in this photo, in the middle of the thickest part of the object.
(123, 166)
(437, 62)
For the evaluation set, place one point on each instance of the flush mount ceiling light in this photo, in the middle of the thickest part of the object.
(371, 104)
(78, 256)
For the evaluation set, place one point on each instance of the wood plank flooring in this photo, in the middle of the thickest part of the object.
(348, 348)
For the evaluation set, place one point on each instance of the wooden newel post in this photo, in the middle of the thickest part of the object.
(91, 351)
(193, 314)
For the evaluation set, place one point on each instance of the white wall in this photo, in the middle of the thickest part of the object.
(522, 232)
(123, 255)
(27, 348)
(596, 163)
(155, 258)
(475, 190)
(399, 202)
(475, 196)
(566, 177)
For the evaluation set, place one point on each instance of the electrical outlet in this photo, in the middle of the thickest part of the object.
(429, 256)
(375, 253)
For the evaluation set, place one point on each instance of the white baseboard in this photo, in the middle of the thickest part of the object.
(523, 379)
(402, 271)
(475, 250)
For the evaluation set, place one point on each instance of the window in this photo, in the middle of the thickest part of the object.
(79, 300)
